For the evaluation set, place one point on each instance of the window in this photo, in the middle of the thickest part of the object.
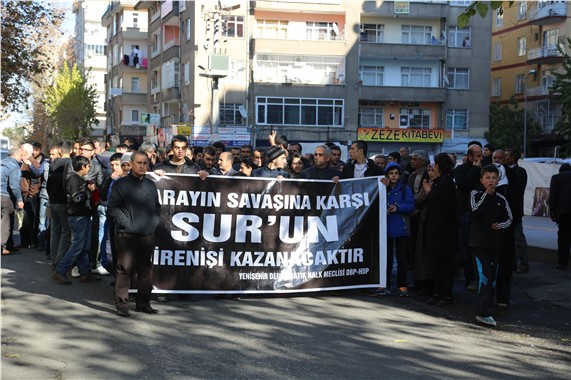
(458, 37)
(457, 119)
(299, 111)
(289, 68)
(272, 28)
(519, 84)
(170, 72)
(374, 33)
(230, 114)
(522, 9)
(521, 50)
(135, 116)
(460, 3)
(135, 20)
(498, 51)
(459, 78)
(116, 55)
(416, 34)
(187, 31)
(499, 18)
(550, 38)
(371, 75)
(233, 26)
(181, 6)
(415, 118)
(135, 84)
(187, 72)
(92, 50)
(497, 87)
(320, 31)
(415, 77)
(371, 116)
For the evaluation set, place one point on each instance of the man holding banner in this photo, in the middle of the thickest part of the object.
(135, 209)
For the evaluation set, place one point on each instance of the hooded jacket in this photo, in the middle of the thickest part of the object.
(398, 223)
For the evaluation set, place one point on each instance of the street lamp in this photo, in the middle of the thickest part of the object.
(531, 72)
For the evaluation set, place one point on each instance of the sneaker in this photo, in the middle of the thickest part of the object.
(472, 286)
(100, 270)
(75, 272)
(486, 320)
(403, 292)
(60, 278)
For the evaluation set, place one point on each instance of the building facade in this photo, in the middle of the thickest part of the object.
(89, 48)
(524, 56)
(392, 73)
(126, 65)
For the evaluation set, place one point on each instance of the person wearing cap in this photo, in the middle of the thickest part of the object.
(276, 161)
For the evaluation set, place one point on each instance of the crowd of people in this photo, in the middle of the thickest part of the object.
(82, 206)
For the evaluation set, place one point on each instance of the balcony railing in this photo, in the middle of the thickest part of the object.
(539, 91)
(306, 37)
(543, 52)
(369, 39)
(543, 10)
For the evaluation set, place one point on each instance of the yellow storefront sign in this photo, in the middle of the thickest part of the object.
(400, 135)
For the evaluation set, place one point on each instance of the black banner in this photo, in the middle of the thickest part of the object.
(253, 235)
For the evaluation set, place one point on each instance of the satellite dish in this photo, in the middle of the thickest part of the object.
(243, 111)
(336, 28)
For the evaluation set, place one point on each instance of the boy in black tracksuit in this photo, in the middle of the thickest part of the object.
(490, 214)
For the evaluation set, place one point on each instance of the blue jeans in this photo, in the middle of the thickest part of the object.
(60, 234)
(42, 225)
(78, 251)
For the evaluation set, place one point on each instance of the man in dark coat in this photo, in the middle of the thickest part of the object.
(560, 209)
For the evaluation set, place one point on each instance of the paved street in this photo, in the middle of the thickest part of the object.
(71, 332)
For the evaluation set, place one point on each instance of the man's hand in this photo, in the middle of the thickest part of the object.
(20, 205)
(272, 138)
(203, 174)
(160, 172)
(335, 179)
(427, 186)
(91, 187)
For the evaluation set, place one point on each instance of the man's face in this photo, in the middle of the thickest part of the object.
(86, 151)
(294, 148)
(476, 154)
(225, 161)
(381, 162)
(208, 160)
(139, 165)
(97, 147)
(37, 152)
(258, 158)
(54, 153)
(355, 152)
(498, 157)
(281, 161)
(245, 152)
(116, 166)
(403, 152)
(335, 157)
(76, 148)
(320, 159)
(509, 158)
(235, 153)
(245, 169)
(178, 151)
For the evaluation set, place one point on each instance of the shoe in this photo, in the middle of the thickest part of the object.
(382, 292)
(472, 286)
(432, 300)
(89, 278)
(100, 270)
(146, 309)
(522, 269)
(446, 301)
(60, 278)
(486, 320)
(123, 312)
(403, 292)
(75, 272)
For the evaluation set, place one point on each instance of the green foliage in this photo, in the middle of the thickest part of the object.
(71, 104)
(506, 126)
(23, 35)
(562, 87)
(481, 8)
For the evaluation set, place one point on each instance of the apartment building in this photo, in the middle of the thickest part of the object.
(392, 73)
(524, 56)
(90, 42)
(126, 65)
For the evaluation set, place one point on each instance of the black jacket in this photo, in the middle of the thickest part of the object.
(55, 185)
(487, 210)
(315, 173)
(77, 196)
(134, 205)
(188, 167)
(372, 169)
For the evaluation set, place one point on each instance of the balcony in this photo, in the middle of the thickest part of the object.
(546, 14)
(285, 46)
(404, 94)
(403, 51)
(544, 55)
(540, 92)
(325, 6)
